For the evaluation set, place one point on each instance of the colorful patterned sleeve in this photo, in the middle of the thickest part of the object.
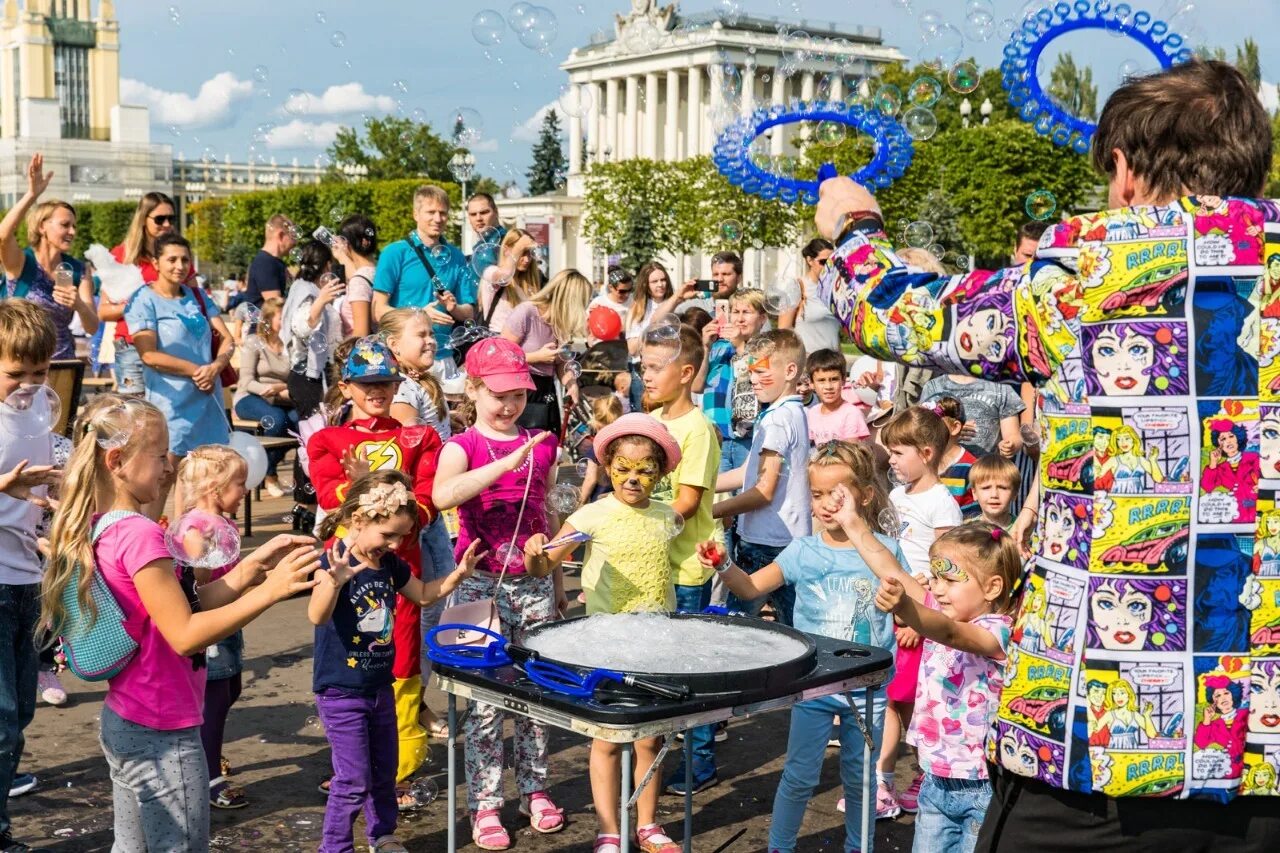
(1017, 324)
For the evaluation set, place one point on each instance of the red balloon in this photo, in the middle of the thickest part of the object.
(604, 323)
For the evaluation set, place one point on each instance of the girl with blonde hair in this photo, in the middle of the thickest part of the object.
(512, 280)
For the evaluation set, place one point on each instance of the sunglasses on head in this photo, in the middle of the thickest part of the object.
(165, 219)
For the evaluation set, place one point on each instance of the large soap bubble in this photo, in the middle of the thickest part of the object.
(31, 411)
(204, 540)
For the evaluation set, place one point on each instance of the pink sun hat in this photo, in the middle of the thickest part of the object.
(638, 423)
(500, 364)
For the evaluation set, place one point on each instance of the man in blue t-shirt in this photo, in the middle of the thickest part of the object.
(403, 281)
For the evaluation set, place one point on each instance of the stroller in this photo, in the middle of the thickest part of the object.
(601, 364)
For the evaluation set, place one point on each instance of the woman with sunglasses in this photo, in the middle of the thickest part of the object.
(155, 216)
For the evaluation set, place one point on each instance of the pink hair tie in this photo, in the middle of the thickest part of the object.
(997, 533)
(936, 409)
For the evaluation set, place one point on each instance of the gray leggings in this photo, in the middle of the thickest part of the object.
(160, 787)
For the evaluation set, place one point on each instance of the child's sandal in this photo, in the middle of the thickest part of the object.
(607, 844)
(223, 796)
(652, 839)
(543, 815)
(389, 844)
(487, 831)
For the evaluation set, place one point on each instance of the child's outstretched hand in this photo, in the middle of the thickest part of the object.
(293, 574)
(19, 482)
(354, 464)
(847, 509)
(255, 566)
(711, 554)
(515, 460)
(890, 594)
(470, 558)
(342, 567)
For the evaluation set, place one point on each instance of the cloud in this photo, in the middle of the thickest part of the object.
(215, 105)
(1270, 97)
(303, 134)
(338, 100)
(528, 130)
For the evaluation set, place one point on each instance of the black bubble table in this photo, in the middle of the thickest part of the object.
(624, 715)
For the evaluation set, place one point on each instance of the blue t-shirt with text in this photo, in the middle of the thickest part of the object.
(355, 648)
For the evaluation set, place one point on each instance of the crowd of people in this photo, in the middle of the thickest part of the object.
(869, 463)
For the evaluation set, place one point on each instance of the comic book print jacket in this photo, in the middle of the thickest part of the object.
(1146, 653)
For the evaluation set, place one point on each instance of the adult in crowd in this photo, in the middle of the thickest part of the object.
(482, 214)
(173, 326)
(44, 272)
(551, 319)
(511, 279)
(268, 275)
(426, 271)
(357, 252)
(654, 297)
(262, 394)
(991, 411)
(812, 319)
(617, 292)
(1028, 241)
(155, 216)
(726, 277)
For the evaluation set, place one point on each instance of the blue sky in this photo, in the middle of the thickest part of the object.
(224, 75)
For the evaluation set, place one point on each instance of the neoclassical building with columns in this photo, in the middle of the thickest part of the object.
(657, 90)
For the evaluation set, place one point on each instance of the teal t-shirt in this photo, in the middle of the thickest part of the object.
(401, 275)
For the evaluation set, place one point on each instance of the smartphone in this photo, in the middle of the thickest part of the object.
(722, 311)
(704, 285)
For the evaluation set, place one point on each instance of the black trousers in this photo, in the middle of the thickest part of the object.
(1028, 815)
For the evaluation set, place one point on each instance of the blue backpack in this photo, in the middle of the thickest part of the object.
(97, 649)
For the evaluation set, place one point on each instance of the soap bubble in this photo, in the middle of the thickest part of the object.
(313, 724)
(919, 234)
(575, 99)
(782, 295)
(888, 99)
(175, 15)
(674, 525)
(261, 73)
(338, 39)
(924, 92)
(440, 253)
(424, 791)
(964, 77)
(930, 21)
(920, 123)
(980, 23)
(296, 103)
(203, 540)
(890, 522)
(1041, 205)
(829, 133)
(31, 411)
(942, 48)
(509, 556)
(466, 125)
(268, 423)
(64, 275)
(538, 29)
(518, 14)
(581, 468)
(563, 498)
(112, 427)
(730, 231)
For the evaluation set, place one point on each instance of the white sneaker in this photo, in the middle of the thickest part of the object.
(273, 489)
(50, 688)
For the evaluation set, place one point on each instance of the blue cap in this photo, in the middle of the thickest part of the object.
(370, 361)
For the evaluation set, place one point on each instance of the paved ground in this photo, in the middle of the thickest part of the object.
(279, 757)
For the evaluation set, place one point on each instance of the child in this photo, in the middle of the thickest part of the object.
(498, 474)
(773, 509)
(604, 410)
(995, 482)
(965, 619)
(669, 365)
(27, 344)
(419, 401)
(993, 409)
(834, 598)
(153, 707)
(916, 440)
(625, 569)
(212, 480)
(351, 606)
(956, 458)
(831, 418)
(372, 441)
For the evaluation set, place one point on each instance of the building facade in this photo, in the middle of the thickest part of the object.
(658, 89)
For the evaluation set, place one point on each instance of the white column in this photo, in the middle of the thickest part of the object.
(748, 89)
(651, 101)
(575, 143)
(715, 72)
(693, 118)
(778, 96)
(837, 87)
(806, 95)
(629, 122)
(671, 125)
(611, 118)
(593, 121)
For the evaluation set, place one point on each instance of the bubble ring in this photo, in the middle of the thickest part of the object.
(894, 149)
(1020, 68)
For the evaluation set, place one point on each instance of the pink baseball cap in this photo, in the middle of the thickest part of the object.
(500, 364)
(638, 423)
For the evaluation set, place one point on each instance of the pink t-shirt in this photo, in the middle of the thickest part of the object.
(159, 689)
(526, 325)
(491, 515)
(957, 695)
(359, 289)
(844, 424)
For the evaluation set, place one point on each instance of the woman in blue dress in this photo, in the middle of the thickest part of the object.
(172, 328)
(33, 273)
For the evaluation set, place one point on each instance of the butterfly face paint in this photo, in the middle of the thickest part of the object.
(946, 570)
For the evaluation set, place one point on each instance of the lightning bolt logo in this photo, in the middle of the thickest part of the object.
(381, 454)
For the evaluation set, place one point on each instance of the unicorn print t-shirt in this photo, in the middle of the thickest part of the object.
(354, 649)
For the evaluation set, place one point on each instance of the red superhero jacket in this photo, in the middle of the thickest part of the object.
(385, 443)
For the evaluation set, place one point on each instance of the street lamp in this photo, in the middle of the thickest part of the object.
(966, 110)
(986, 110)
(462, 166)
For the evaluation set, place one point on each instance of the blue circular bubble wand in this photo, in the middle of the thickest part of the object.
(732, 153)
(1022, 58)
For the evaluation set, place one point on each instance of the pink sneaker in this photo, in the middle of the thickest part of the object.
(50, 687)
(909, 798)
(887, 805)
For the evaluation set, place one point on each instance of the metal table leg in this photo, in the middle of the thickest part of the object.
(688, 791)
(625, 817)
(453, 791)
(868, 795)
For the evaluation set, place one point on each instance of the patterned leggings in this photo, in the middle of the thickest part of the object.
(523, 602)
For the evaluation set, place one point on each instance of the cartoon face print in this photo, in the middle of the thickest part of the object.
(1060, 526)
(1269, 442)
(1018, 756)
(1123, 361)
(983, 335)
(1264, 698)
(1121, 616)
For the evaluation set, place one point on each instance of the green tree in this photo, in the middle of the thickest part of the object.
(1073, 88)
(638, 245)
(392, 148)
(1249, 63)
(549, 163)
